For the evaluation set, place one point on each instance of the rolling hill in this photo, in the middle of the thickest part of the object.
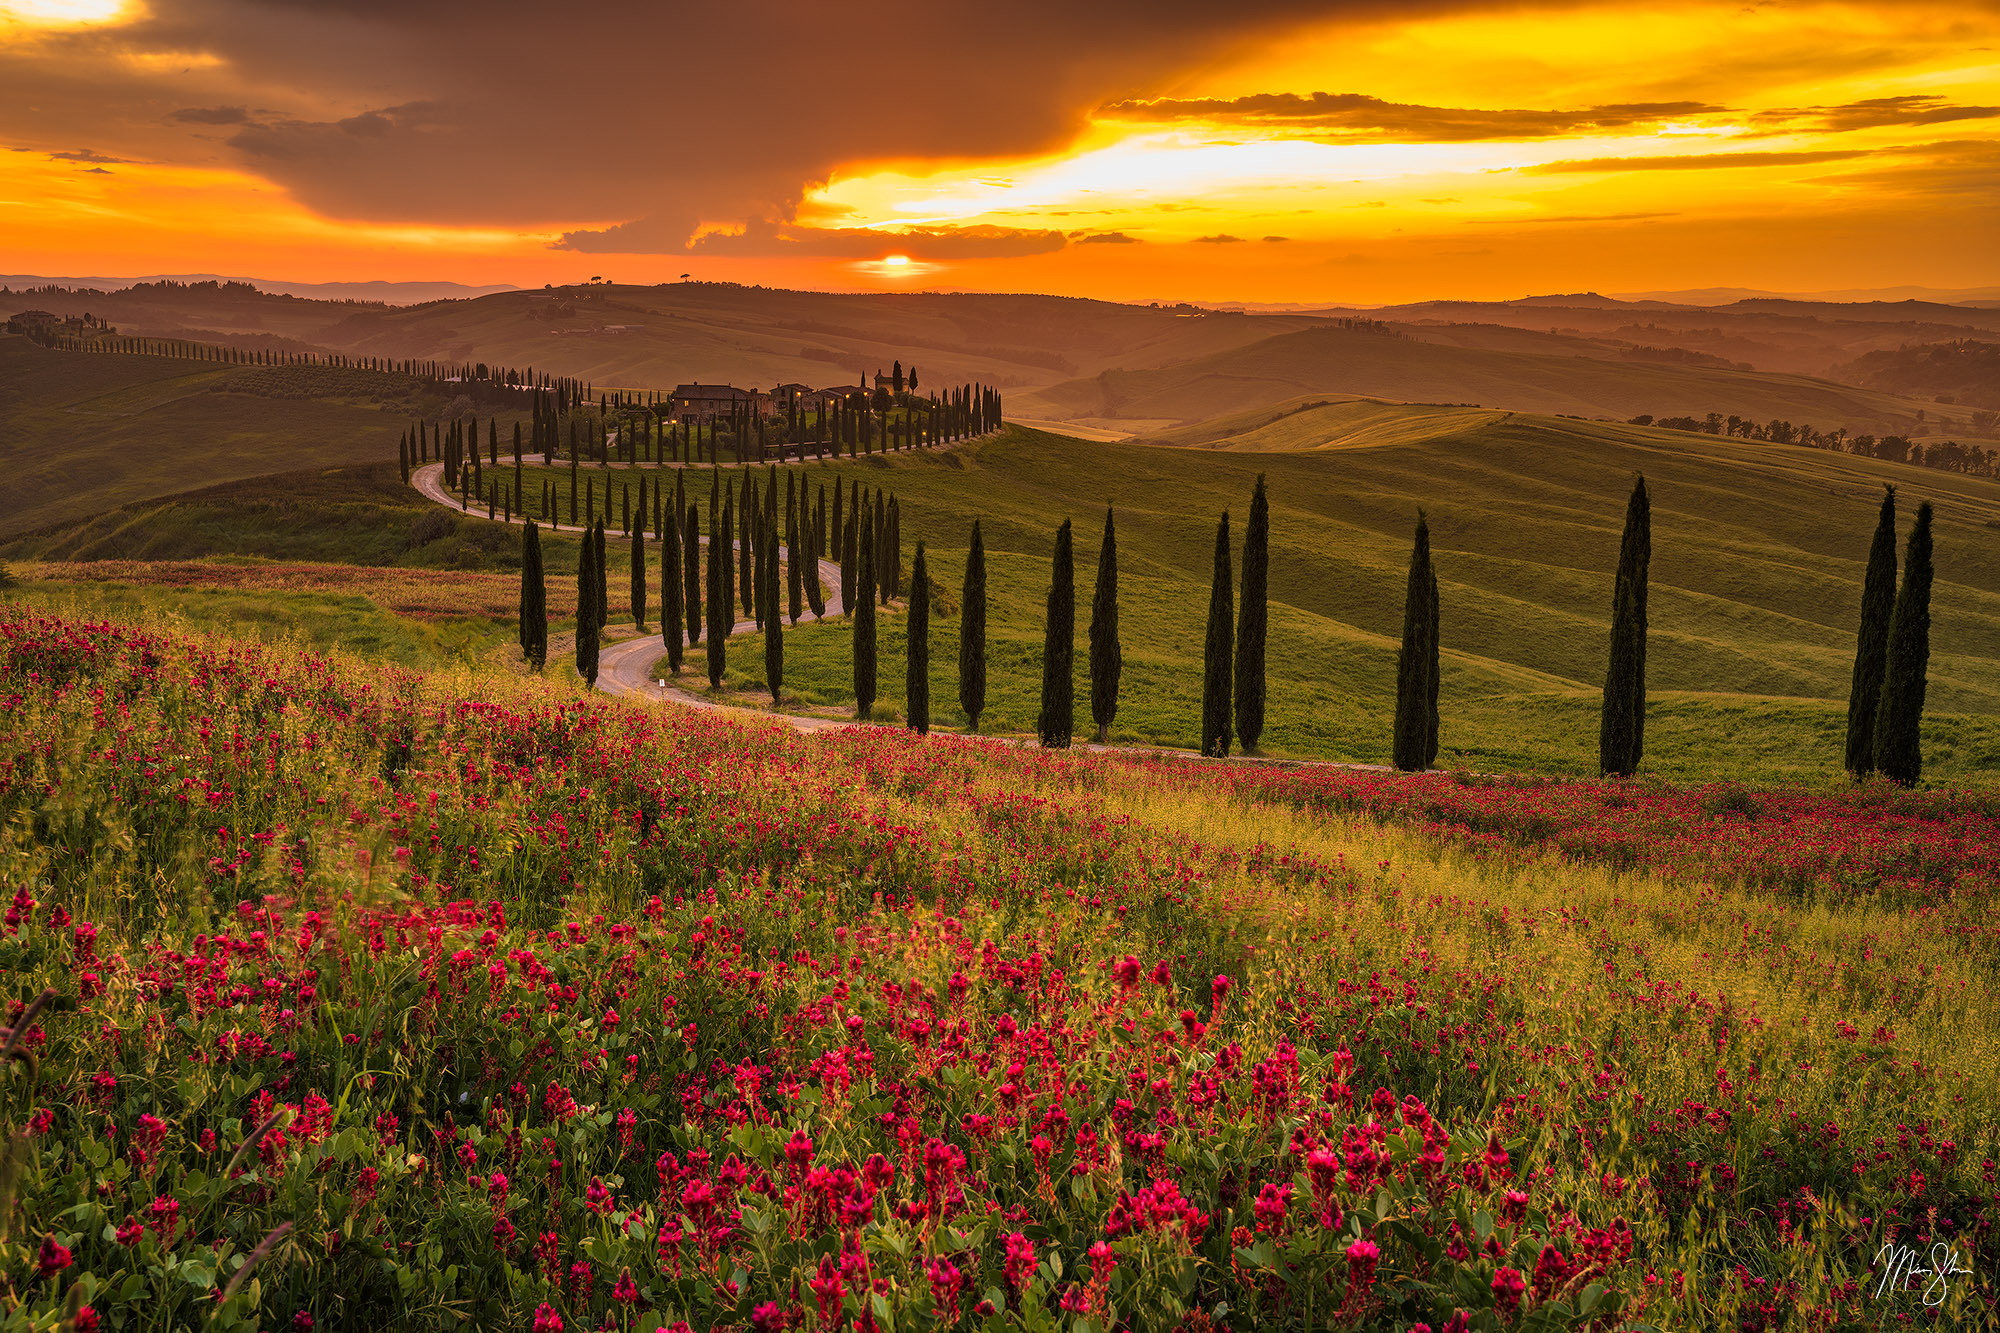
(1375, 363)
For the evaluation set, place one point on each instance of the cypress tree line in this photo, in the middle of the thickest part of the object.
(1899, 754)
(1215, 691)
(1416, 664)
(864, 616)
(917, 677)
(972, 633)
(534, 599)
(639, 577)
(1871, 646)
(1622, 733)
(691, 573)
(1056, 725)
(718, 603)
(1107, 660)
(1252, 617)
(587, 624)
(774, 623)
(673, 609)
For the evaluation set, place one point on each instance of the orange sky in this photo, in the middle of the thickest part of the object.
(1303, 152)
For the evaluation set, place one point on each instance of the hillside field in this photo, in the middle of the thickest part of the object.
(1756, 573)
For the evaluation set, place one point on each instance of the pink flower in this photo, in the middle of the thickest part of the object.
(547, 1320)
(53, 1258)
(626, 1292)
(1508, 1285)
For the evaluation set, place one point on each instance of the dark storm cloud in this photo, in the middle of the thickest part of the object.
(651, 119)
(1357, 117)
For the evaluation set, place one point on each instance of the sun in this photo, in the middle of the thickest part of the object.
(60, 13)
(896, 261)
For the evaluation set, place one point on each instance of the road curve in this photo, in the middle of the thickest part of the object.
(625, 668)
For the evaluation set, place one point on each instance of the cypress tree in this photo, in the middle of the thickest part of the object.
(603, 571)
(1056, 725)
(885, 574)
(1622, 734)
(774, 623)
(1416, 662)
(534, 599)
(795, 556)
(917, 679)
(1899, 718)
(639, 577)
(1107, 660)
(718, 605)
(1871, 648)
(1252, 617)
(849, 540)
(1436, 673)
(1215, 692)
(722, 550)
(746, 526)
(691, 573)
(864, 617)
(972, 633)
(673, 609)
(587, 624)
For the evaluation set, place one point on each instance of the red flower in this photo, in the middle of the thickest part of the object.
(1508, 1285)
(54, 1257)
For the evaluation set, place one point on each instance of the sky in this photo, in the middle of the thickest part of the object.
(1271, 151)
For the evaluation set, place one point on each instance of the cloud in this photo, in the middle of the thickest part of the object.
(1872, 113)
(1277, 238)
(1572, 217)
(84, 155)
(1694, 161)
(440, 112)
(1222, 239)
(1103, 238)
(213, 115)
(1359, 117)
(764, 239)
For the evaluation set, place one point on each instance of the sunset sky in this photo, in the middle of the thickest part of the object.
(1135, 149)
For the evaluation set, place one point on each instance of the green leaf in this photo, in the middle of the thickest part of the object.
(883, 1314)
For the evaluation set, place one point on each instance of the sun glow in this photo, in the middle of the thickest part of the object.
(896, 261)
(61, 13)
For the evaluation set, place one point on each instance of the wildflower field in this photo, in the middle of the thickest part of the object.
(347, 997)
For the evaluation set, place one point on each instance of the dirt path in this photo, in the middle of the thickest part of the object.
(625, 668)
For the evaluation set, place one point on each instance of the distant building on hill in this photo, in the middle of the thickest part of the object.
(706, 402)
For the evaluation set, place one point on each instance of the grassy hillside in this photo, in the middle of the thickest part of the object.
(84, 433)
(1758, 555)
(1352, 361)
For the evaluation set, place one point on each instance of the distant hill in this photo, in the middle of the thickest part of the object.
(389, 293)
(1370, 363)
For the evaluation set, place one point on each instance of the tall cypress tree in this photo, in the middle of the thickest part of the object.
(722, 549)
(1622, 734)
(864, 616)
(746, 525)
(673, 607)
(639, 576)
(1107, 660)
(534, 599)
(795, 556)
(1899, 754)
(1215, 691)
(1416, 662)
(691, 588)
(1252, 617)
(1056, 725)
(774, 622)
(603, 573)
(1871, 647)
(587, 624)
(917, 676)
(972, 633)
(717, 604)
(1436, 673)
(850, 539)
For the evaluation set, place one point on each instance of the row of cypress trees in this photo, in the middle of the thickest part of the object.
(1885, 702)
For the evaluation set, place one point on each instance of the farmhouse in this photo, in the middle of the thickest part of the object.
(706, 402)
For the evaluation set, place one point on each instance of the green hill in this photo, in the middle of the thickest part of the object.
(84, 433)
(1359, 361)
(1758, 556)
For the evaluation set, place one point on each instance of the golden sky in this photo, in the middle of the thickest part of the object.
(1281, 151)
